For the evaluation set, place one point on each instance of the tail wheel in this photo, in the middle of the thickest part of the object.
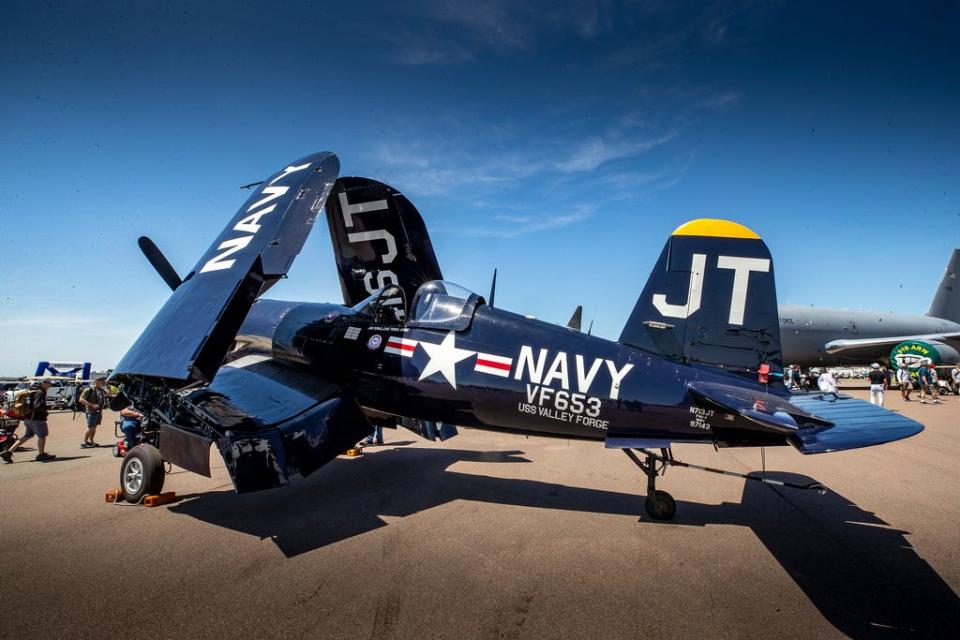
(141, 473)
(660, 505)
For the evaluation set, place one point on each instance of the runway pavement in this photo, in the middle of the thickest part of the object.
(493, 536)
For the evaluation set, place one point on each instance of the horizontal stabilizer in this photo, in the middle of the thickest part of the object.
(856, 424)
(764, 408)
(190, 335)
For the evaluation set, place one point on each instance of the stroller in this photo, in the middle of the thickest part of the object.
(7, 427)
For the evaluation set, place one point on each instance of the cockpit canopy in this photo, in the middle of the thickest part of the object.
(443, 304)
(436, 304)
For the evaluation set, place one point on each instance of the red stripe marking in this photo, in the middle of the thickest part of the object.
(399, 345)
(493, 365)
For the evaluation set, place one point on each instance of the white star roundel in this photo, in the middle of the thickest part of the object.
(444, 358)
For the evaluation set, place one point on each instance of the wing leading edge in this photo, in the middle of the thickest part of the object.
(838, 346)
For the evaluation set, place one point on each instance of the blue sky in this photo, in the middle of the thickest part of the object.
(560, 142)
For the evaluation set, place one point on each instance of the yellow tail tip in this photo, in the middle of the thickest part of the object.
(714, 228)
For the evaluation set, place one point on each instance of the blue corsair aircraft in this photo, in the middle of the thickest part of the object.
(281, 388)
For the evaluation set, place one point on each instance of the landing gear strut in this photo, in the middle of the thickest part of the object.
(660, 505)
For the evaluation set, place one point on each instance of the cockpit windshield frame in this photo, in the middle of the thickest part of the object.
(386, 306)
(440, 304)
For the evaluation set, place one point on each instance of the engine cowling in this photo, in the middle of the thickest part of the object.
(911, 353)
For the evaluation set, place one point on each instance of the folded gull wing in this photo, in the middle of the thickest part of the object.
(278, 423)
(190, 335)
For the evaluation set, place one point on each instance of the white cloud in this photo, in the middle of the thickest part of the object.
(595, 152)
(509, 226)
(436, 32)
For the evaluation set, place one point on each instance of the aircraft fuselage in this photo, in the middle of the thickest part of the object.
(504, 372)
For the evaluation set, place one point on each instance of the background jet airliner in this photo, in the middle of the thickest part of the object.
(281, 387)
(815, 336)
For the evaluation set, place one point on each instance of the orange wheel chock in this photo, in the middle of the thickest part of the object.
(161, 499)
(354, 453)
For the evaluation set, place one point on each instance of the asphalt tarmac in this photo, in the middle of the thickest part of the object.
(493, 536)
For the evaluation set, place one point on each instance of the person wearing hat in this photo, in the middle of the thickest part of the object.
(36, 423)
(93, 398)
(876, 384)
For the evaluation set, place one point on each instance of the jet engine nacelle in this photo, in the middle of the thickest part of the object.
(948, 355)
(911, 352)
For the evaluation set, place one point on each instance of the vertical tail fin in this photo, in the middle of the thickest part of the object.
(711, 299)
(946, 302)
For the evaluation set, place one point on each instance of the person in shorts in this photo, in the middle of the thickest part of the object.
(93, 398)
(933, 379)
(923, 382)
(903, 380)
(35, 422)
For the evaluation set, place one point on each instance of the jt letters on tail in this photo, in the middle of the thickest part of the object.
(738, 296)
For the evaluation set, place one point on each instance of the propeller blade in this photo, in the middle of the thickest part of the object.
(159, 262)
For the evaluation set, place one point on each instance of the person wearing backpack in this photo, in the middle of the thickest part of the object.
(34, 415)
(93, 398)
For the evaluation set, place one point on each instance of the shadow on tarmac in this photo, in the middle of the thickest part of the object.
(863, 576)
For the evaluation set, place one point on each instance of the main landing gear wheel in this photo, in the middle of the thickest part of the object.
(660, 505)
(141, 473)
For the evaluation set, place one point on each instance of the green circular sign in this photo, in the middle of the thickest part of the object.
(912, 353)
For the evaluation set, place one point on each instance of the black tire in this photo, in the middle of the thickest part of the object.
(660, 506)
(141, 473)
